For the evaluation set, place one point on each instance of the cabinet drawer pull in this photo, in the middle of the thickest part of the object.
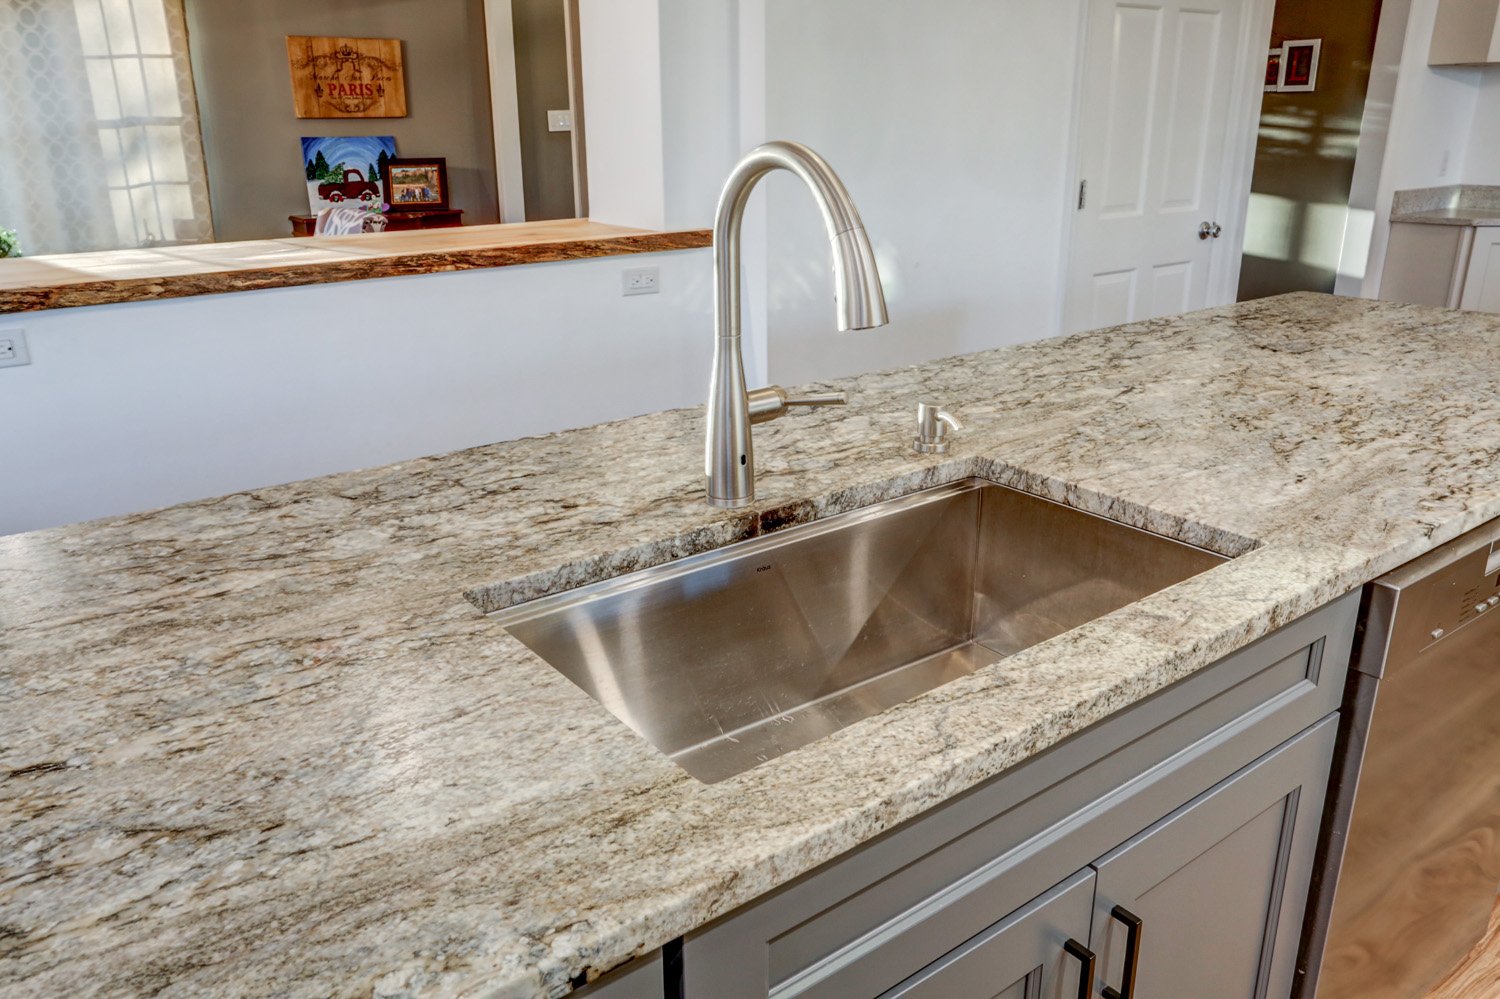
(1086, 969)
(1132, 953)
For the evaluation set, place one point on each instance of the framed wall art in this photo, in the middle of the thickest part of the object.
(1299, 65)
(346, 77)
(346, 169)
(1273, 70)
(416, 184)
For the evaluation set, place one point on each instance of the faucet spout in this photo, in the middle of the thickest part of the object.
(858, 298)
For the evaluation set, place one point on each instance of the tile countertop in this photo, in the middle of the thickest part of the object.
(1458, 204)
(263, 745)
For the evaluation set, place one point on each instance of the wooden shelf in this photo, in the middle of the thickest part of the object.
(441, 218)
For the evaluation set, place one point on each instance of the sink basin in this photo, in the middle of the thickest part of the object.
(725, 660)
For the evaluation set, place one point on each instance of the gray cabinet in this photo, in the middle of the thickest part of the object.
(946, 886)
(1035, 953)
(1452, 266)
(1481, 290)
(1426, 264)
(1219, 886)
(643, 978)
(1465, 33)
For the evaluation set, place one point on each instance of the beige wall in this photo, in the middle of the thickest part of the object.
(250, 133)
(1304, 160)
(542, 86)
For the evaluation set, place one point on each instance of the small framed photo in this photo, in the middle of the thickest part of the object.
(1299, 65)
(415, 184)
(1273, 70)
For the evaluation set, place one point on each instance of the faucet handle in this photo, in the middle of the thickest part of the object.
(933, 425)
(819, 399)
(769, 403)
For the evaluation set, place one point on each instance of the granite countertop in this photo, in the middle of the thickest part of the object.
(263, 745)
(1459, 204)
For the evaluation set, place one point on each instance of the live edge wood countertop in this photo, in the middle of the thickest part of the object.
(30, 284)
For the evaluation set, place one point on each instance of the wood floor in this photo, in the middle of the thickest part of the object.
(1478, 977)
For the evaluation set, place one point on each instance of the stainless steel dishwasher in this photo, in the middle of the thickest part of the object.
(1410, 860)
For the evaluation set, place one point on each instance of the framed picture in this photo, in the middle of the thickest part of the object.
(1273, 70)
(346, 169)
(1299, 65)
(417, 184)
(347, 77)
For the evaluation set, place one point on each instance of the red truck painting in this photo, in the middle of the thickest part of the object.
(354, 186)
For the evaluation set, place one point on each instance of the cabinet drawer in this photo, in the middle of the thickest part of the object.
(863, 923)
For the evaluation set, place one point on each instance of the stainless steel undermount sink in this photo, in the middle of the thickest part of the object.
(728, 659)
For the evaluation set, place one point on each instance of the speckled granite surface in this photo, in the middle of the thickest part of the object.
(262, 745)
(1457, 204)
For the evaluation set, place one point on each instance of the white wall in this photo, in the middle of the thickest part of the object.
(129, 407)
(1482, 161)
(620, 47)
(1432, 114)
(1374, 139)
(700, 75)
(661, 94)
(950, 122)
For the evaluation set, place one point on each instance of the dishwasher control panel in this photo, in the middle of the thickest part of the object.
(1435, 597)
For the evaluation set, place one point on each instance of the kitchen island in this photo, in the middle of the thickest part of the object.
(265, 745)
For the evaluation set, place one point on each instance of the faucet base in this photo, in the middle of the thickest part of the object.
(731, 504)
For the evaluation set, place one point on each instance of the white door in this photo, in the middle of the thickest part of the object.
(1158, 88)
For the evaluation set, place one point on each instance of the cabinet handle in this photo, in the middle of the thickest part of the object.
(1086, 969)
(1132, 953)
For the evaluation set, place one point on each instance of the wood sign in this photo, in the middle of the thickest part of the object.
(347, 77)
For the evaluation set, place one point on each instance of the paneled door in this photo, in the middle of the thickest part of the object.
(1154, 128)
(1208, 903)
(1036, 952)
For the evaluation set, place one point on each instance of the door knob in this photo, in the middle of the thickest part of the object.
(1209, 230)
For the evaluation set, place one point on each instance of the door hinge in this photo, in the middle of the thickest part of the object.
(1083, 194)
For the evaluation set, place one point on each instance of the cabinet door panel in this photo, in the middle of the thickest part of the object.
(642, 978)
(1020, 957)
(1220, 884)
(1482, 283)
(1425, 264)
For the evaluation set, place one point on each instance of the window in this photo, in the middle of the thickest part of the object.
(99, 138)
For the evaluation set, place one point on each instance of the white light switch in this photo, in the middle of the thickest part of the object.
(13, 352)
(560, 121)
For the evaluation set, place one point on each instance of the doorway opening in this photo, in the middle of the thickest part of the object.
(1317, 81)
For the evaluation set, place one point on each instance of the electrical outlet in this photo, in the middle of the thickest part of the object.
(643, 281)
(13, 352)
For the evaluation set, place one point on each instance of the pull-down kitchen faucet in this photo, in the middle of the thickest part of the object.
(730, 458)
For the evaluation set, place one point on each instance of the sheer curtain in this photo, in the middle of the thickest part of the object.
(100, 146)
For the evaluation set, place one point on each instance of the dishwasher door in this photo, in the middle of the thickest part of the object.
(1421, 861)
